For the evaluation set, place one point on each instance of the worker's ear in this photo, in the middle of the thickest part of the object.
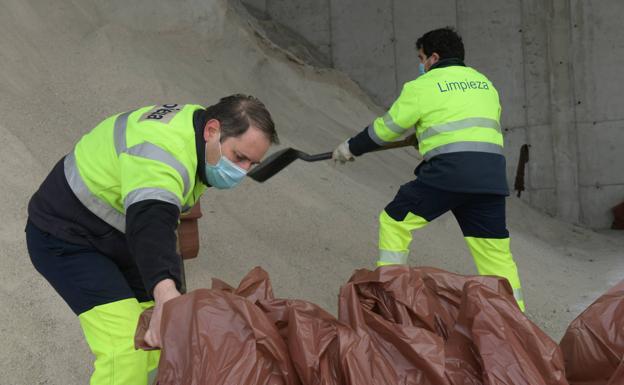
(212, 130)
(434, 58)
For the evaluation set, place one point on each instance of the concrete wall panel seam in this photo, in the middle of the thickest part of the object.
(331, 33)
(593, 122)
(574, 126)
(526, 96)
(562, 110)
(599, 185)
(457, 16)
(394, 50)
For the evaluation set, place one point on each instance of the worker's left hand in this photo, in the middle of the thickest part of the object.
(163, 292)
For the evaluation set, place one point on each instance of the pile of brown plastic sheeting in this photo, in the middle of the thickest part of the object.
(435, 327)
(396, 325)
(593, 345)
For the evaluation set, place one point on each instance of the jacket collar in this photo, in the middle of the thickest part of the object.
(199, 122)
(447, 63)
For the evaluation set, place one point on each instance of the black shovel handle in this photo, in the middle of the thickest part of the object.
(282, 158)
(315, 157)
(406, 142)
(409, 141)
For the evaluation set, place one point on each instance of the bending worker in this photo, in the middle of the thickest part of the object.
(101, 227)
(456, 113)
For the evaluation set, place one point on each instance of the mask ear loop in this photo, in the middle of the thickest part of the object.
(220, 151)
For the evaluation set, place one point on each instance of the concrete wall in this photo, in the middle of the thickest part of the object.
(598, 41)
(556, 63)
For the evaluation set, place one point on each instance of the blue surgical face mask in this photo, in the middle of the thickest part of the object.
(421, 68)
(225, 174)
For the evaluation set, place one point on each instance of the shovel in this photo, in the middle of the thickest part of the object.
(282, 158)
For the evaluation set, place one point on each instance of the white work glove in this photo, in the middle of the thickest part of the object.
(342, 153)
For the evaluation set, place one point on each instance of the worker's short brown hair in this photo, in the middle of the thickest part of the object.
(238, 112)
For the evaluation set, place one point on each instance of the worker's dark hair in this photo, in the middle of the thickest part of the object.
(446, 42)
(237, 112)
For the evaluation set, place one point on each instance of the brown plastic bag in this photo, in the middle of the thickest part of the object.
(492, 342)
(255, 286)
(322, 349)
(398, 325)
(188, 232)
(437, 327)
(429, 304)
(212, 337)
(593, 345)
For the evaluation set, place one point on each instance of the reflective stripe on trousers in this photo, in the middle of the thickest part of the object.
(395, 237)
(109, 330)
(491, 256)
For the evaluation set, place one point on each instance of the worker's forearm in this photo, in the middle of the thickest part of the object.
(362, 143)
(151, 234)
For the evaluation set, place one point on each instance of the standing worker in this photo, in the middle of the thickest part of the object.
(456, 113)
(101, 228)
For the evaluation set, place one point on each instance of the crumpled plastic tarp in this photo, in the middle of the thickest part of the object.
(593, 345)
(396, 325)
(436, 327)
(216, 337)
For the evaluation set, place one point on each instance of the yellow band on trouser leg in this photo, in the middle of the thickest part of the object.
(395, 237)
(493, 257)
(109, 330)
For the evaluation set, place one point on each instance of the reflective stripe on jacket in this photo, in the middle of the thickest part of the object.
(149, 153)
(453, 109)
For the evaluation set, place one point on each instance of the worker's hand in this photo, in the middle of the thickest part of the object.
(163, 292)
(342, 153)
